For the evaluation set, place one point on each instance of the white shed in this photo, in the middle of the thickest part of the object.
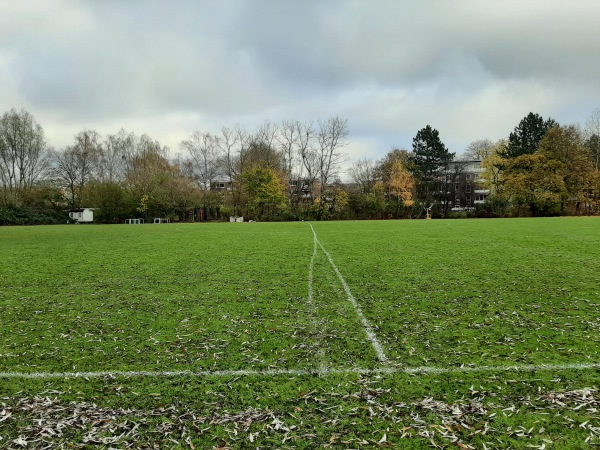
(82, 215)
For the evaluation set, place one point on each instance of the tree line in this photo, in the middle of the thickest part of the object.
(289, 171)
(542, 168)
(281, 171)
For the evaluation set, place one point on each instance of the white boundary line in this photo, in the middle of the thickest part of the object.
(311, 269)
(315, 322)
(366, 325)
(299, 372)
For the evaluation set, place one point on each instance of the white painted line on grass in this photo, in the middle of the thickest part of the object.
(311, 269)
(299, 372)
(315, 323)
(366, 325)
(518, 368)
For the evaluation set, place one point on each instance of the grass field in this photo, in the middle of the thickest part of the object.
(408, 334)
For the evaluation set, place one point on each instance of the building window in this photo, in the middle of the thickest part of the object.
(220, 185)
(294, 183)
(469, 187)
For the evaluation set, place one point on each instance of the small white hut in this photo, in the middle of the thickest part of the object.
(82, 215)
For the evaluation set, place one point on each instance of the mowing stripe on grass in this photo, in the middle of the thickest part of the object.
(425, 370)
(366, 325)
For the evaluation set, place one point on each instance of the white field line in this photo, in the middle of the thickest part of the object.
(315, 322)
(366, 325)
(299, 372)
(311, 269)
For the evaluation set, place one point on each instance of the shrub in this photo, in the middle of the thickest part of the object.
(11, 215)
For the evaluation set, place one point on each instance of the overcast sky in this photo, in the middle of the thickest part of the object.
(470, 68)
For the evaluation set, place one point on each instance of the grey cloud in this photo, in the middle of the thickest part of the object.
(472, 69)
(390, 42)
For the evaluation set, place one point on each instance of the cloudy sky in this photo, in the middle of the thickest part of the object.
(470, 68)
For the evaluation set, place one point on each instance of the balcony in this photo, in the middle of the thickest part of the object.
(481, 191)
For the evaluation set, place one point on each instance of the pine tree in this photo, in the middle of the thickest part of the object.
(429, 162)
(526, 137)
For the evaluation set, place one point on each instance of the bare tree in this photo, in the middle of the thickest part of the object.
(65, 167)
(309, 169)
(75, 165)
(267, 134)
(23, 153)
(262, 147)
(227, 143)
(331, 135)
(592, 135)
(243, 140)
(288, 140)
(202, 149)
(234, 144)
(145, 158)
(479, 149)
(364, 173)
(112, 160)
(88, 151)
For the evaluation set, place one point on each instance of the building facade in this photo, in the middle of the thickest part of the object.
(465, 185)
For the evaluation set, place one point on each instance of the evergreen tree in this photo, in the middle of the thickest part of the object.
(429, 163)
(526, 137)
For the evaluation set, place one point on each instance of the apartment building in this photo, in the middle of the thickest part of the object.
(464, 184)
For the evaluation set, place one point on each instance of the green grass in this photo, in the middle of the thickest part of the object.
(221, 297)
(476, 292)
